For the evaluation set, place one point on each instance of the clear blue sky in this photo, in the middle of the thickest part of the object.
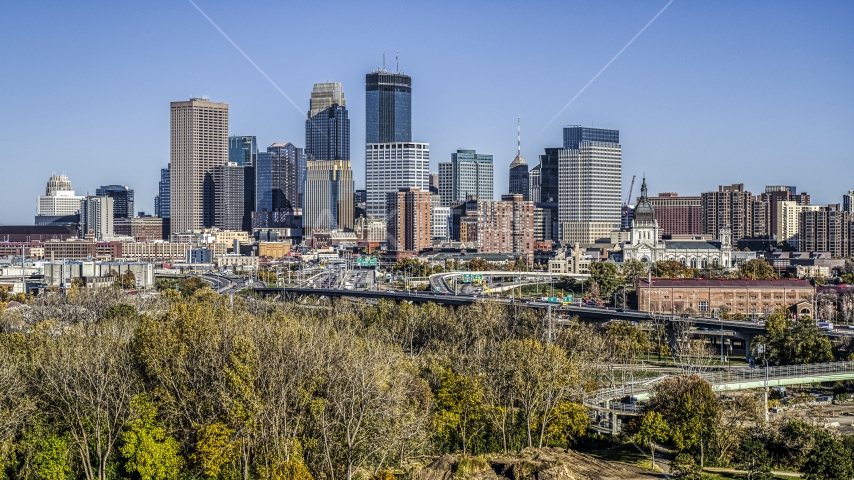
(711, 93)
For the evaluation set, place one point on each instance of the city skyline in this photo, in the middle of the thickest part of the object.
(700, 93)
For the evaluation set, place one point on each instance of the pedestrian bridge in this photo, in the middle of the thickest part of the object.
(621, 400)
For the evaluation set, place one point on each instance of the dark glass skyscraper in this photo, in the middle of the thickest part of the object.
(279, 180)
(574, 135)
(388, 107)
(242, 150)
(549, 184)
(122, 199)
(327, 134)
(161, 204)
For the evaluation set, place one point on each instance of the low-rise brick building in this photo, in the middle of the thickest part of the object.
(707, 297)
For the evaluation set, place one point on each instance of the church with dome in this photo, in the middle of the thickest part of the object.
(644, 243)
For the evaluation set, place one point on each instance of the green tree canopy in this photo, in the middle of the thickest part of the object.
(828, 459)
(607, 276)
(756, 269)
(792, 341)
(671, 269)
(653, 429)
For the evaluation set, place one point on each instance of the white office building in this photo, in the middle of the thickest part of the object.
(59, 199)
(440, 221)
(392, 166)
(590, 182)
(96, 216)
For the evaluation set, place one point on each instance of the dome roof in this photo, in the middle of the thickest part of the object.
(643, 210)
(518, 161)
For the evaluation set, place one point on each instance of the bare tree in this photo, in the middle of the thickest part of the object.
(85, 378)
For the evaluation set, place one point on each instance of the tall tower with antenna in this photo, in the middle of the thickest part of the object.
(519, 168)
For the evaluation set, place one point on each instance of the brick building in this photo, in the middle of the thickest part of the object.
(826, 229)
(408, 220)
(506, 226)
(739, 211)
(142, 229)
(706, 297)
(678, 215)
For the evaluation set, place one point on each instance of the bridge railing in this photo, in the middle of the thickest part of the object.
(783, 371)
(609, 398)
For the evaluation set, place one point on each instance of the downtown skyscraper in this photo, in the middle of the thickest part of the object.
(198, 144)
(328, 200)
(278, 186)
(392, 160)
(467, 174)
(590, 184)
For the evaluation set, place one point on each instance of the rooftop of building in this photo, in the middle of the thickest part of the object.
(725, 283)
(693, 245)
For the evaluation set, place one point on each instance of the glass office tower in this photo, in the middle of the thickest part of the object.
(122, 199)
(388, 107)
(574, 135)
(242, 150)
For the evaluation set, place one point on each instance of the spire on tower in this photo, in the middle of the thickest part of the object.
(519, 136)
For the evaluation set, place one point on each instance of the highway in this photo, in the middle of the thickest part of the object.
(585, 312)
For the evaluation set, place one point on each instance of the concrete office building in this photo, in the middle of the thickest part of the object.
(228, 196)
(590, 182)
(96, 217)
(242, 150)
(440, 223)
(328, 197)
(677, 215)
(392, 166)
(434, 183)
(408, 220)
(123, 204)
(59, 199)
(198, 143)
(469, 173)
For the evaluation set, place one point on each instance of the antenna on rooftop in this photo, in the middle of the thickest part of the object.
(519, 136)
(396, 62)
(383, 59)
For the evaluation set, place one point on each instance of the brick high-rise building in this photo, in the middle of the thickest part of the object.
(678, 215)
(198, 143)
(506, 226)
(736, 209)
(774, 194)
(788, 221)
(826, 229)
(408, 220)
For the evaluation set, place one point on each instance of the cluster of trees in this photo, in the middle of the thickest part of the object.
(704, 430)
(101, 385)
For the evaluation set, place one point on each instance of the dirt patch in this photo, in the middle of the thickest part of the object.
(535, 464)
